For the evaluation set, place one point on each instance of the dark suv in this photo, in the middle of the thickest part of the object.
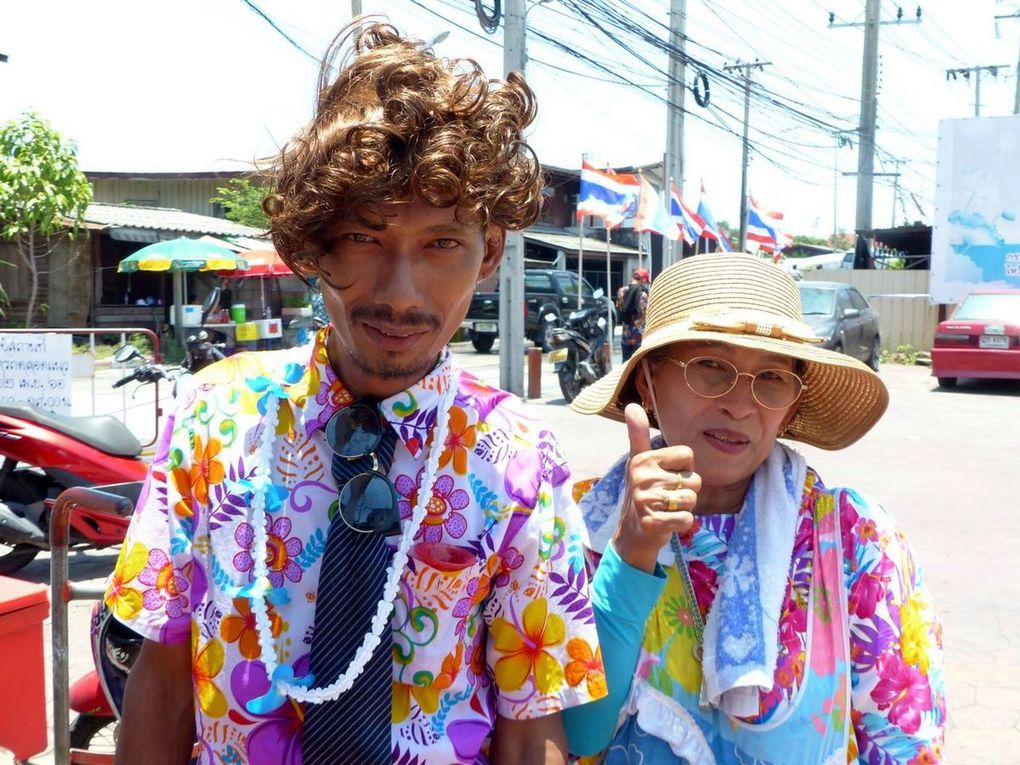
(546, 291)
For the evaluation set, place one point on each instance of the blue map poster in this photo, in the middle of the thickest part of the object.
(976, 237)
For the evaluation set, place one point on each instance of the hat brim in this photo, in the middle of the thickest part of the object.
(842, 399)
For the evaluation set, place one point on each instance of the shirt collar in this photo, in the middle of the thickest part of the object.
(411, 412)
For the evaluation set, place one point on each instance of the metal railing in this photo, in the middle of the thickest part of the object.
(62, 592)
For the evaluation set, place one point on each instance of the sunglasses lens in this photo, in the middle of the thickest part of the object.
(368, 503)
(354, 431)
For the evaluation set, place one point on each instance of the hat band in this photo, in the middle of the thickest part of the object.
(749, 327)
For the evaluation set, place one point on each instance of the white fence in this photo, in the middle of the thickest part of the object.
(901, 299)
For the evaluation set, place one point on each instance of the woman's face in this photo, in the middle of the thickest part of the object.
(731, 435)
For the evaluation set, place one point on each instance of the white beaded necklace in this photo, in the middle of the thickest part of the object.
(382, 614)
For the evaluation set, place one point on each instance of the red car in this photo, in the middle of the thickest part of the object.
(982, 339)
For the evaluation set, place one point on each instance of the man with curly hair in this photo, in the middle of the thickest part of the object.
(356, 552)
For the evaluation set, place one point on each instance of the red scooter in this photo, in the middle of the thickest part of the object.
(45, 453)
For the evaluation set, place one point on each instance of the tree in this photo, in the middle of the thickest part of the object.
(242, 201)
(43, 194)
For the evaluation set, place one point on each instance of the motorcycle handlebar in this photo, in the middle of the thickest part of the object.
(123, 381)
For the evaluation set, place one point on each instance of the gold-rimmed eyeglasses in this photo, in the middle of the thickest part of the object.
(710, 377)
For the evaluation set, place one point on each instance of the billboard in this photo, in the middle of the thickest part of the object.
(976, 235)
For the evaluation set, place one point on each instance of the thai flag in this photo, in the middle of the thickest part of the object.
(690, 223)
(651, 213)
(610, 196)
(712, 230)
(763, 228)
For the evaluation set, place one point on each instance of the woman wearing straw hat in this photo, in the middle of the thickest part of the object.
(747, 612)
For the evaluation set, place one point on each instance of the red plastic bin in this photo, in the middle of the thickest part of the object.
(23, 608)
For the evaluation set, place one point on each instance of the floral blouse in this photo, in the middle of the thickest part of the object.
(897, 692)
(508, 631)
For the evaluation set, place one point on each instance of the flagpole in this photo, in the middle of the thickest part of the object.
(609, 299)
(580, 261)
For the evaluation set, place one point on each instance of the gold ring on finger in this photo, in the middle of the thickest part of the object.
(679, 481)
(673, 504)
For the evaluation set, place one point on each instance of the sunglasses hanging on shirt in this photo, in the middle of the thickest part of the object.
(368, 500)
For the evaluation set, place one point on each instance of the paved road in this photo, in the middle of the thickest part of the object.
(945, 464)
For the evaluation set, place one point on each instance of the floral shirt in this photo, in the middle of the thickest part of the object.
(634, 330)
(509, 631)
(897, 694)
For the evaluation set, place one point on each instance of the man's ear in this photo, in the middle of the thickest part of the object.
(495, 245)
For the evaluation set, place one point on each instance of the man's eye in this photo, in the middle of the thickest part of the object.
(357, 236)
(447, 244)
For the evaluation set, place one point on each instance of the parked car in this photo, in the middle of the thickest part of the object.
(545, 291)
(982, 339)
(839, 313)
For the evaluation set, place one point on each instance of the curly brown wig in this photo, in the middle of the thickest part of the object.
(396, 122)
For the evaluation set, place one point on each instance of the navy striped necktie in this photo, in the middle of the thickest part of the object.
(356, 727)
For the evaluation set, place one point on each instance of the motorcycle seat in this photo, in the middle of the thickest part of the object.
(103, 432)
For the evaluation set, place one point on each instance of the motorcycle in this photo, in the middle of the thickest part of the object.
(98, 695)
(579, 354)
(45, 453)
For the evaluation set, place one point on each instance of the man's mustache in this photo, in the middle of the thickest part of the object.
(389, 317)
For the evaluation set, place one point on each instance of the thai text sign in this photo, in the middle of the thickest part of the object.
(35, 370)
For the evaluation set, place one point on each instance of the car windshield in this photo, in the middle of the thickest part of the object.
(568, 285)
(815, 301)
(990, 308)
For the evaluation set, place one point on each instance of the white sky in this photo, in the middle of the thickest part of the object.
(208, 84)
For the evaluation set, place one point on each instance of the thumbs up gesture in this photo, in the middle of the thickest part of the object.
(662, 490)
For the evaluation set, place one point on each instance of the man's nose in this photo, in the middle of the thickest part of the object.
(396, 284)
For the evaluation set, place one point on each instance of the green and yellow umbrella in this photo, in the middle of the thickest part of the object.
(179, 256)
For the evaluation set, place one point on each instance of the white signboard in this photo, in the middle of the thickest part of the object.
(976, 238)
(35, 370)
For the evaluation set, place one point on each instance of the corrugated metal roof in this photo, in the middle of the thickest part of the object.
(568, 243)
(163, 219)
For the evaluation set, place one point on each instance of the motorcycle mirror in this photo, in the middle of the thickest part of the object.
(125, 353)
(597, 294)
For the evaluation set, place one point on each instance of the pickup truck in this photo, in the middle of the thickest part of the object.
(545, 291)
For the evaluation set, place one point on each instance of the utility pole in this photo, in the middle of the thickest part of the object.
(1016, 97)
(967, 71)
(869, 106)
(895, 190)
(840, 139)
(355, 8)
(511, 270)
(760, 65)
(869, 111)
(673, 164)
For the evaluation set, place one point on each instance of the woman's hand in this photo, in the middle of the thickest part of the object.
(654, 505)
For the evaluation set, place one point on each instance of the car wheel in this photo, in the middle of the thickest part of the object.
(483, 343)
(875, 359)
(947, 382)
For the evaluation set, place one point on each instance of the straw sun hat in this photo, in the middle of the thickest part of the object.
(748, 302)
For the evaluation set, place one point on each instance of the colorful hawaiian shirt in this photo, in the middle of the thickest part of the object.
(509, 631)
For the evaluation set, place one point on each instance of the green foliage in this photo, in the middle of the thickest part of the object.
(242, 201)
(106, 345)
(844, 241)
(42, 191)
(904, 354)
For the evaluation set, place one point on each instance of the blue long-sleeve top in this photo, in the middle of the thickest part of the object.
(622, 598)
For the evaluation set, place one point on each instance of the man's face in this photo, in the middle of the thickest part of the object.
(396, 296)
